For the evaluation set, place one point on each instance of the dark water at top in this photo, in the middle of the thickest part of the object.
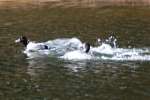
(57, 79)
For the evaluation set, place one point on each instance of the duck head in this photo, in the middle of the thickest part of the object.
(23, 40)
(87, 47)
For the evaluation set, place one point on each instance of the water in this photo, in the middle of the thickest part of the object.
(117, 69)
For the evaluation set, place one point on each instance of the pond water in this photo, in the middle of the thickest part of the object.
(112, 73)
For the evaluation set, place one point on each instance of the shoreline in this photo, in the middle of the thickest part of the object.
(73, 3)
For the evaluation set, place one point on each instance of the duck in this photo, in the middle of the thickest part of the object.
(31, 46)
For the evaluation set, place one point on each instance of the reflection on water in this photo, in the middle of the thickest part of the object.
(89, 79)
(53, 78)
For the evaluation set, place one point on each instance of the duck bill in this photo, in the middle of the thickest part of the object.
(17, 41)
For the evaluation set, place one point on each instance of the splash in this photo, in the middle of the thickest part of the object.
(72, 49)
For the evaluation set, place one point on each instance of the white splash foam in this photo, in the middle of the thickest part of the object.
(37, 53)
(72, 49)
(103, 49)
(76, 55)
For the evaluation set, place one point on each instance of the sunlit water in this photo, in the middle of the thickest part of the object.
(116, 67)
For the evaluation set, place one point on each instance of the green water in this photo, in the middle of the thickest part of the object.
(56, 79)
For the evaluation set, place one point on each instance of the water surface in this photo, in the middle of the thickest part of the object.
(51, 78)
